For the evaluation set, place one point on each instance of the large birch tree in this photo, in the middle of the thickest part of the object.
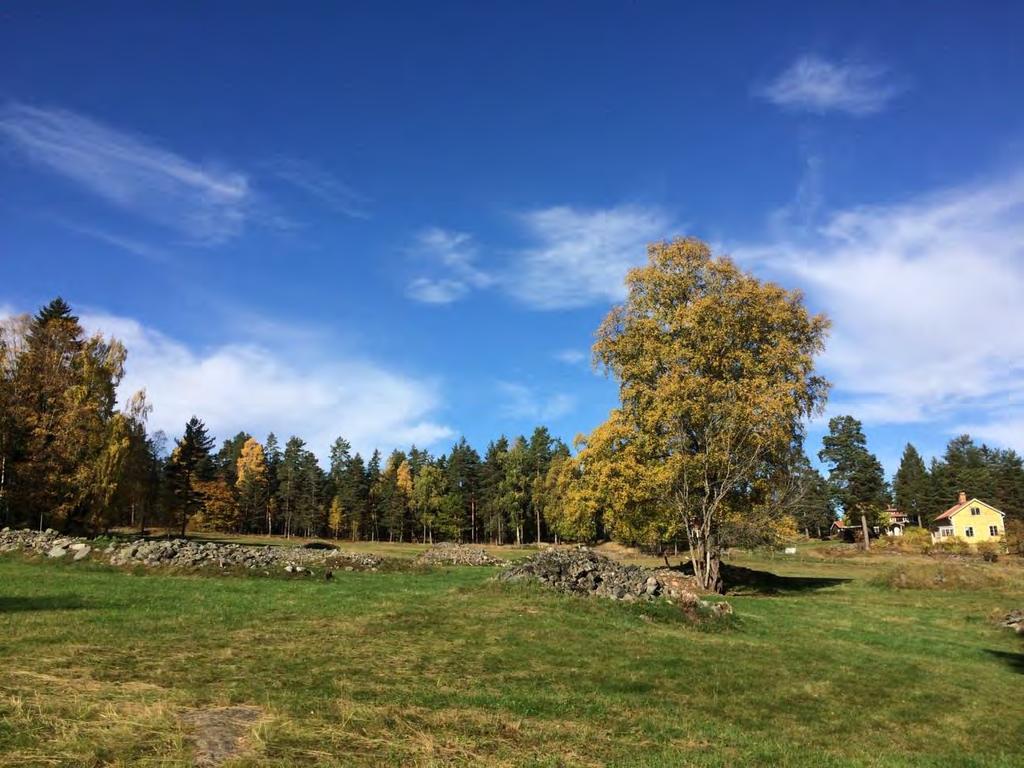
(716, 377)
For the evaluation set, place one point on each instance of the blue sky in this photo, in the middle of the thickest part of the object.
(402, 222)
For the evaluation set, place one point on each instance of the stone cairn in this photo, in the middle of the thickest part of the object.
(186, 554)
(449, 553)
(584, 572)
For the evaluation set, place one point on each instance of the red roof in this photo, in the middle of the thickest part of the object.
(952, 510)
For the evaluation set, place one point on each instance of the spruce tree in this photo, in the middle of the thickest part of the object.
(912, 486)
(190, 465)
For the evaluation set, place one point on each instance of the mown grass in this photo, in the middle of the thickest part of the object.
(446, 667)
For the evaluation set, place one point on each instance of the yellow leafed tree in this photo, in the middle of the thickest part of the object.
(716, 376)
(252, 485)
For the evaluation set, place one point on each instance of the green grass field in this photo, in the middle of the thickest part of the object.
(823, 667)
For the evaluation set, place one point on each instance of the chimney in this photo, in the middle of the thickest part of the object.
(963, 497)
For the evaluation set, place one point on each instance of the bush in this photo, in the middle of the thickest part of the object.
(989, 551)
(951, 545)
(913, 540)
(1015, 537)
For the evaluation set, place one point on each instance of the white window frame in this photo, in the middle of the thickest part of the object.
(993, 530)
(969, 532)
(975, 511)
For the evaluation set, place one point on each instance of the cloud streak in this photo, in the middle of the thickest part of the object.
(814, 84)
(925, 299)
(205, 203)
(580, 256)
(321, 186)
(452, 255)
(573, 257)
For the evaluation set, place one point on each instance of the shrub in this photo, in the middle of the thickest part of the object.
(989, 551)
(913, 540)
(952, 545)
(1015, 537)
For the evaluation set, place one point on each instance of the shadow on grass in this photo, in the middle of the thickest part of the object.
(41, 603)
(746, 581)
(1014, 661)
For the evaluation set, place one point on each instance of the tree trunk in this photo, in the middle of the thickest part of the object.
(713, 574)
(706, 560)
(867, 536)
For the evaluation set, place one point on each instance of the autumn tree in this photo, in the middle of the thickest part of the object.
(716, 376)
(394, 494)
(570, 507)
(428, 500)
(252, 484)
(514, 488)
(62, 443)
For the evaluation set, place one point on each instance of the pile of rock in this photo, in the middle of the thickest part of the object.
(583, 572)
(449, 553)
(182, 553)
(1015, 621)
(48, 542)
(186, 554)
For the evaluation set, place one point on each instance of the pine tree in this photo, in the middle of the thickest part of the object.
(912, 486)
(491, 476)
(463, 471)
(191, 465)
(373, 495)
(272, 453)
(856, 477)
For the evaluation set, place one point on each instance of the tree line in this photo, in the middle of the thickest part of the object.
(706, 449)
(856, 484)
(69, 459)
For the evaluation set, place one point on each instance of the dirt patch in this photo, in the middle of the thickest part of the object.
(218, 734)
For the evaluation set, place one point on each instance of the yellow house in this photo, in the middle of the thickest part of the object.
(973, 521)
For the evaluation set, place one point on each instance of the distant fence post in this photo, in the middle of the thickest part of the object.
(864, 528)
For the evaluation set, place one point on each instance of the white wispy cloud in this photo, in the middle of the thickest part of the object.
(320, 185)
(205, 203)
(525, 403)
(253, 387)
(436, 291)
(579, 257)
(571, 356)
(572, 257)
(925, 297)
(452, 256)
(127, 244)
(815, 84)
